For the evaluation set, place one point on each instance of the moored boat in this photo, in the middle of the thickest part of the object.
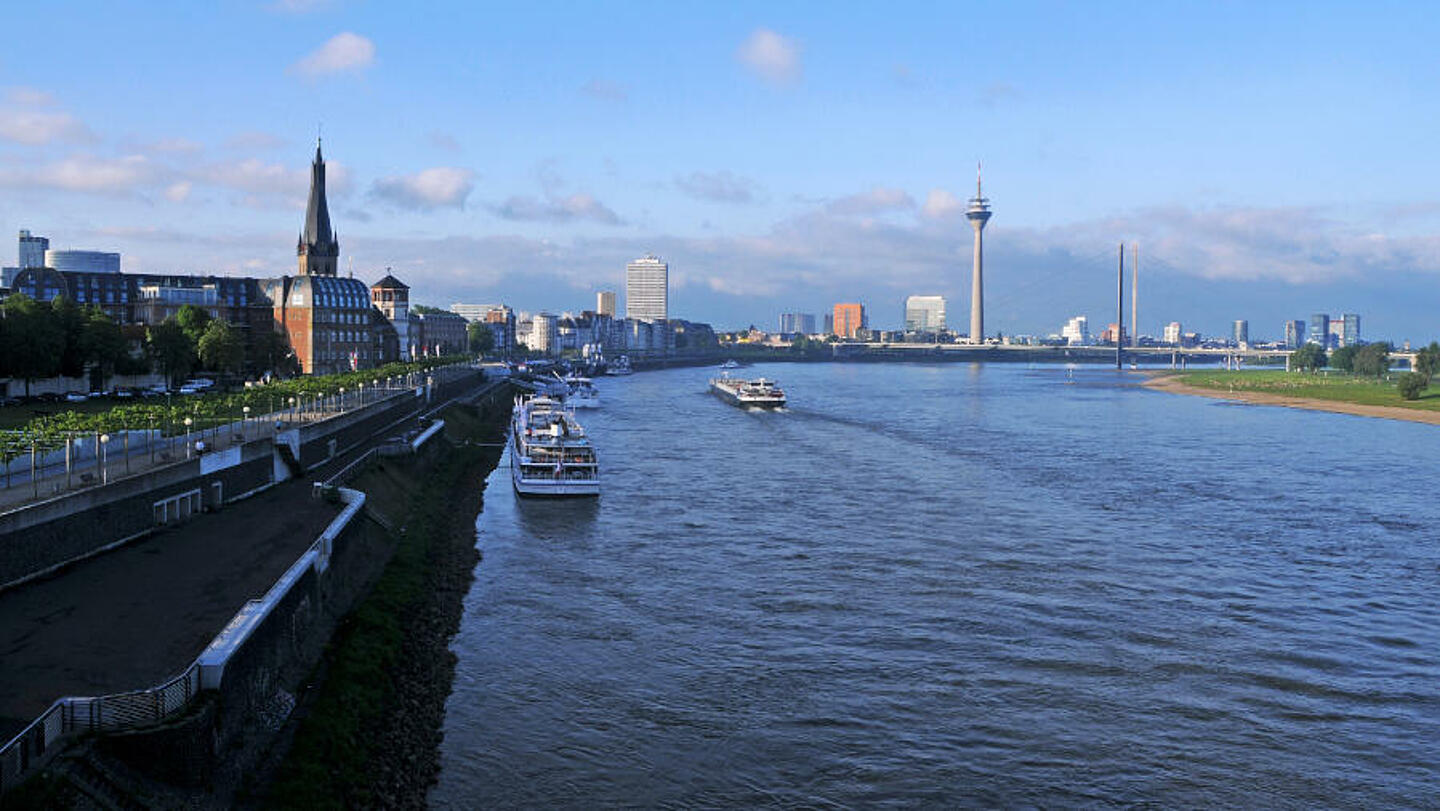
(758, 393)
(550, 454)
(581, 393)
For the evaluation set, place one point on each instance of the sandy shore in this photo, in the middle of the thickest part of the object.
(1165, 382)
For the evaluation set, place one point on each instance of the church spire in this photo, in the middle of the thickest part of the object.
(319, 250)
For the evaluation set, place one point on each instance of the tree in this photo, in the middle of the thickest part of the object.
(480, 337)
(220, 347)
(1412, 383)
(71, 321)
(1373, 360)
(800, 344)
(193, 320)
(101, 342)
(171, 348)
(270, 352)
(1344, 358)
(1307, 358)
(1427, 360)
(33, 338)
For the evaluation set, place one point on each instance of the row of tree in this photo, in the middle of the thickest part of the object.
(39, 340)
(1372, 360)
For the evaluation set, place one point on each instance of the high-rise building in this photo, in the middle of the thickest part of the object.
(978, 213)
(1076, 331)
(605, 302)
(1172, 333)
(82, 261)
(1349, 329)
(797, 323)
(1319, 330)
(925, 314)
(829, 324)
(474, 312)
(849, 319)
(647, 289)
(32, 250)
(1294, 333)
(543, 334)
(1240, 333)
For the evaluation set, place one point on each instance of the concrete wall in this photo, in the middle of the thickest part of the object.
(64, 385)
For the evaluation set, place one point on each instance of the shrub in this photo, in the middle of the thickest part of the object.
(1411, 384)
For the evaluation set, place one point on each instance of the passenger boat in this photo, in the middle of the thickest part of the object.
(550, 455)
(730, 364)
(620, 367)
(581, 392)
(758, 393)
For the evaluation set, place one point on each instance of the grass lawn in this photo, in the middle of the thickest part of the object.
(1333, 386)
(16, 416)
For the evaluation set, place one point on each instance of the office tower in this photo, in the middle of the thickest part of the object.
(647, 289)
(849, 319)
(1172, 333)
(978, 214)
(829, 324)
(82, 261)
(318, 247)
(802, 323)
(605, 303)
(1241, 333)
(474, 312)
(1294, 333)
(1349, 329)
(925, 314)
(32, 250)
(1319, 330)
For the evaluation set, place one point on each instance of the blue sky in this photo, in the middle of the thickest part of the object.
(1272, 160)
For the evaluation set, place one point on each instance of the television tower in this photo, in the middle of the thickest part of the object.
(978, 214)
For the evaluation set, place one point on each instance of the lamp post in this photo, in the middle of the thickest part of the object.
(104, 469)
(342, 399)
(189, 446)
(362, 394)
(245, 423)
(292, 409)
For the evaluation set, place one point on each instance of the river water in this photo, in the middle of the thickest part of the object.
(957, 584)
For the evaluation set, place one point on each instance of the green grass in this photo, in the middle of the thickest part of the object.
(18, 416)
(1336, 386)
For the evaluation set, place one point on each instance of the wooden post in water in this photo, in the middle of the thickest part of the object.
(1120, 312)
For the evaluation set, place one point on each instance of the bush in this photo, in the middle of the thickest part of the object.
(1411, 384)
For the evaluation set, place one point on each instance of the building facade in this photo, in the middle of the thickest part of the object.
(444, 333)
(849, 319)
(392, 298)
(1294, 333)
(83, 261)
(1172, 333)
(1319, 330)
(1349, 329)
(605, 301)
(544, 337)
(647, 289)
(1240, 333)
(925, 314)
(797, 324)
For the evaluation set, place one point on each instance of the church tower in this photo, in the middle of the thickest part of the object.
(319, 247)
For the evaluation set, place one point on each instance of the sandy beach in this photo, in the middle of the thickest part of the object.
(1165, 382)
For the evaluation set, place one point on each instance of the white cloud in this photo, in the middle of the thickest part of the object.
(877, 200)
(771, 56)
(557, 209)
(438, 187)
(179, 191)
(720, 187)
(941, 205)
(38, 127)
(86, 173)
(257, 177)
(345, 52)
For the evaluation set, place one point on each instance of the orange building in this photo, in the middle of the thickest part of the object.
(849, 319)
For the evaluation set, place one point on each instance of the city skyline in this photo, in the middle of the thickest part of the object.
(1262, 200)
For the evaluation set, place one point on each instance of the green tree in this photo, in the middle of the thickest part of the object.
(480, 337)
(1411, 384)
(193, 320)
(800, 344)
(1373, 360)
(1307, 358)
(270, 352)
(71, 320)
(33, 339)
(101, 342)
(1344, 358)
(171, 348)
(1427, 360)
(220, 348)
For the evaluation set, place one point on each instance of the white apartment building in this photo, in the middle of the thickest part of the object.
(1076, 331)
(1172, 332)
(605, 303)
(647, 289)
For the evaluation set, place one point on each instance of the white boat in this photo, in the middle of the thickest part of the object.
(758, 393)
(730, 364)
(550, 455)
(581, 392)
(620, 366)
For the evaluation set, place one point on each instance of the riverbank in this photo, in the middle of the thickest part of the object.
(367, 736)
(1174, 383)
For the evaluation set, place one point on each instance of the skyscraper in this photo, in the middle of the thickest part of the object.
(849, 319)
(978, 214)
(318, 247)
(32, 250)
(1241, 333)
(647, 289)
(1319, 330)
(605, 303)
(792, 323)
(1349, 329)
(1294, 333)
(925, 314)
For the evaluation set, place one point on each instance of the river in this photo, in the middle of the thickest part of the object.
(957, 584)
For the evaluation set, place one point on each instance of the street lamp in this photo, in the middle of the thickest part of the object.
(292, 409)
(189, 446)
(245, 423)
(342, 399)
(104, 470)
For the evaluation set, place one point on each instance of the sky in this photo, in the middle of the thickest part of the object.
(1270, 159)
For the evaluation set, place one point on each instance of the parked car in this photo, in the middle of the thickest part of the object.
(76, 397)
(189, 390)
